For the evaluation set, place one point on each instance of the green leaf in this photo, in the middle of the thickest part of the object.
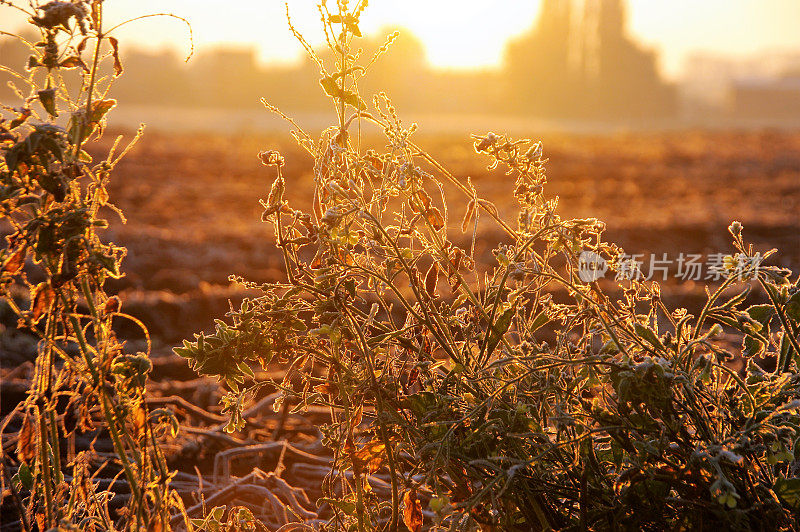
(735, 300)
(247, 370)
(647, 334)
(616, 453)
(610, 347)
(788, 489)
(47, 97)
(751, 346)
(761, 313)
(539, 321)
(218, 512)
(330, 86)
(25, 476)
(793, 307)
(354, 29)
(347, 507)
(500, 328)
(350, 98)
(420, 403)
(100, 109)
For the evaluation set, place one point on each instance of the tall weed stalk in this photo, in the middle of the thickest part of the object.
(54, 201)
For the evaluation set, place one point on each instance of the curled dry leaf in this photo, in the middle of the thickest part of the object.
(112, 305)
(276, 191)
(20, 119)
(370, 456)
(328, 388)
(15, 261)
(435, 218)
(43, 298)
(412, 511)
(420, 201)
(73, 62)
(358, 415)
(26, 450)
(115, 52)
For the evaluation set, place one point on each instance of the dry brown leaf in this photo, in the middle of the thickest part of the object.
(328, 388)
(420, 202)
(112, 305)
(115, 52)
(74, 61)
(15, 261)
(357, 417)
(140, 421)
(26, 448)
(43, 298)
(412, 511)
(435, 218)
(370, 456)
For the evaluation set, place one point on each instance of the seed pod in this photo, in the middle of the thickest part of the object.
(432, 279)
(469, 215)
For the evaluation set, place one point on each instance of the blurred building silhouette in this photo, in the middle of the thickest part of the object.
(758, 90)
(764, 99)
(155, 77)
(579, 61)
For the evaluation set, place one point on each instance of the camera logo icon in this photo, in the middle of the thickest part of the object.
(591, 266)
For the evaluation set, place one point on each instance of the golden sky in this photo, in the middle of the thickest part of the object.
(470, 33)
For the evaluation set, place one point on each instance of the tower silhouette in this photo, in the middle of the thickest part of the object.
(579, 61)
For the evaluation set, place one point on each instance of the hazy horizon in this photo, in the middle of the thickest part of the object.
(462, 35)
